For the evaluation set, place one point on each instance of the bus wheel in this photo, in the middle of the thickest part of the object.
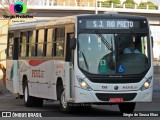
(127, 107)
(63, 104)
(28, 100)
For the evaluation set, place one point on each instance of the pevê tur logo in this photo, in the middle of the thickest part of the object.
(18, 8)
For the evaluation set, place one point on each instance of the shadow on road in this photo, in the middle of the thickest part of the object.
(53, 110)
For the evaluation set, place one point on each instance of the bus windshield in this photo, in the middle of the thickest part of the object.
(112, 54)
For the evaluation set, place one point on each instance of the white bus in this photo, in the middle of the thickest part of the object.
(80, 60)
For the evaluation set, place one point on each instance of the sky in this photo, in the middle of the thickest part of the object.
(157, 2)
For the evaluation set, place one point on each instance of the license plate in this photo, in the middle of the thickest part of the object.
(116, 100)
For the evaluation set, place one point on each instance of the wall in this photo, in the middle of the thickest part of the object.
(3, 41)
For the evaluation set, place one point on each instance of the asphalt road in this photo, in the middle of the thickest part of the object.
(52, 110)
(9, 103)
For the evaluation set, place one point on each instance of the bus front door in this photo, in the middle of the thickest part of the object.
(15, 64)
(69, 71)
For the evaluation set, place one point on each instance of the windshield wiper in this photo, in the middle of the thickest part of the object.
(105, 42)
(85, 61)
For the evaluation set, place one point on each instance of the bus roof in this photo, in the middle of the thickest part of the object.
(69, 19)
(41, 23)
(26, 25)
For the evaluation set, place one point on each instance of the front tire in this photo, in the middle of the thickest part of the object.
(127, 107)
(63, 104)
(28, 100)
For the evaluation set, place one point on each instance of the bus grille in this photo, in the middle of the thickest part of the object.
(107, 96)
(115, 80)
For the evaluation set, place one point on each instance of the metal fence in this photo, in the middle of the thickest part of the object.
(74, 3)
(83, 4)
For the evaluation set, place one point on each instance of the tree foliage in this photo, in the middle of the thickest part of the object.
(129, 3)
(115, 1)
(108, 3)
(143, 5)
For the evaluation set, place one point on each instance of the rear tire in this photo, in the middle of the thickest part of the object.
(127, 107)
(28, 100)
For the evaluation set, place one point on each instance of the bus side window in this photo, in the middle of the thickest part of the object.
(40, 42)
(45, 41)
(23, 44)
(49, 43)
(10, 45)
(27, 47)
(32, 41)
(59, 42)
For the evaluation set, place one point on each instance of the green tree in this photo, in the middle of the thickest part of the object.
(109, 2)
(104, 3)
(129, 3)
(143, 5)
(115, 1)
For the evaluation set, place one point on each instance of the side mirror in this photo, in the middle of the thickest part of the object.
(73, 43)
(152, 41)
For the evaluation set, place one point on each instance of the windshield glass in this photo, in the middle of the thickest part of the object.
(113, 53)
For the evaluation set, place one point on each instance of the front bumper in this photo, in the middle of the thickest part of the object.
(84, 96)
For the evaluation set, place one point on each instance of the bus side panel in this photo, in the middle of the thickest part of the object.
(9, 75)
(52, 92)
(26, 70)
(20, 87)
(39, 74)
(42, 77)
(50, 71)
(57, 74)
(21, 75)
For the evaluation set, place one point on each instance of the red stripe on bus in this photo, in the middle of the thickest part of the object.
(36, 62)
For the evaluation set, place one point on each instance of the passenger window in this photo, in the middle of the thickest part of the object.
(40, 42)
(23, 42)
(59, 42)
(10, 45)
(32, 41)
(50, 40)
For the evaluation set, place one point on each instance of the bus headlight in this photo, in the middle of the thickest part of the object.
(146, 84)
(83, 84)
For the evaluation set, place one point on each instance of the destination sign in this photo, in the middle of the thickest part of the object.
(109, 24)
